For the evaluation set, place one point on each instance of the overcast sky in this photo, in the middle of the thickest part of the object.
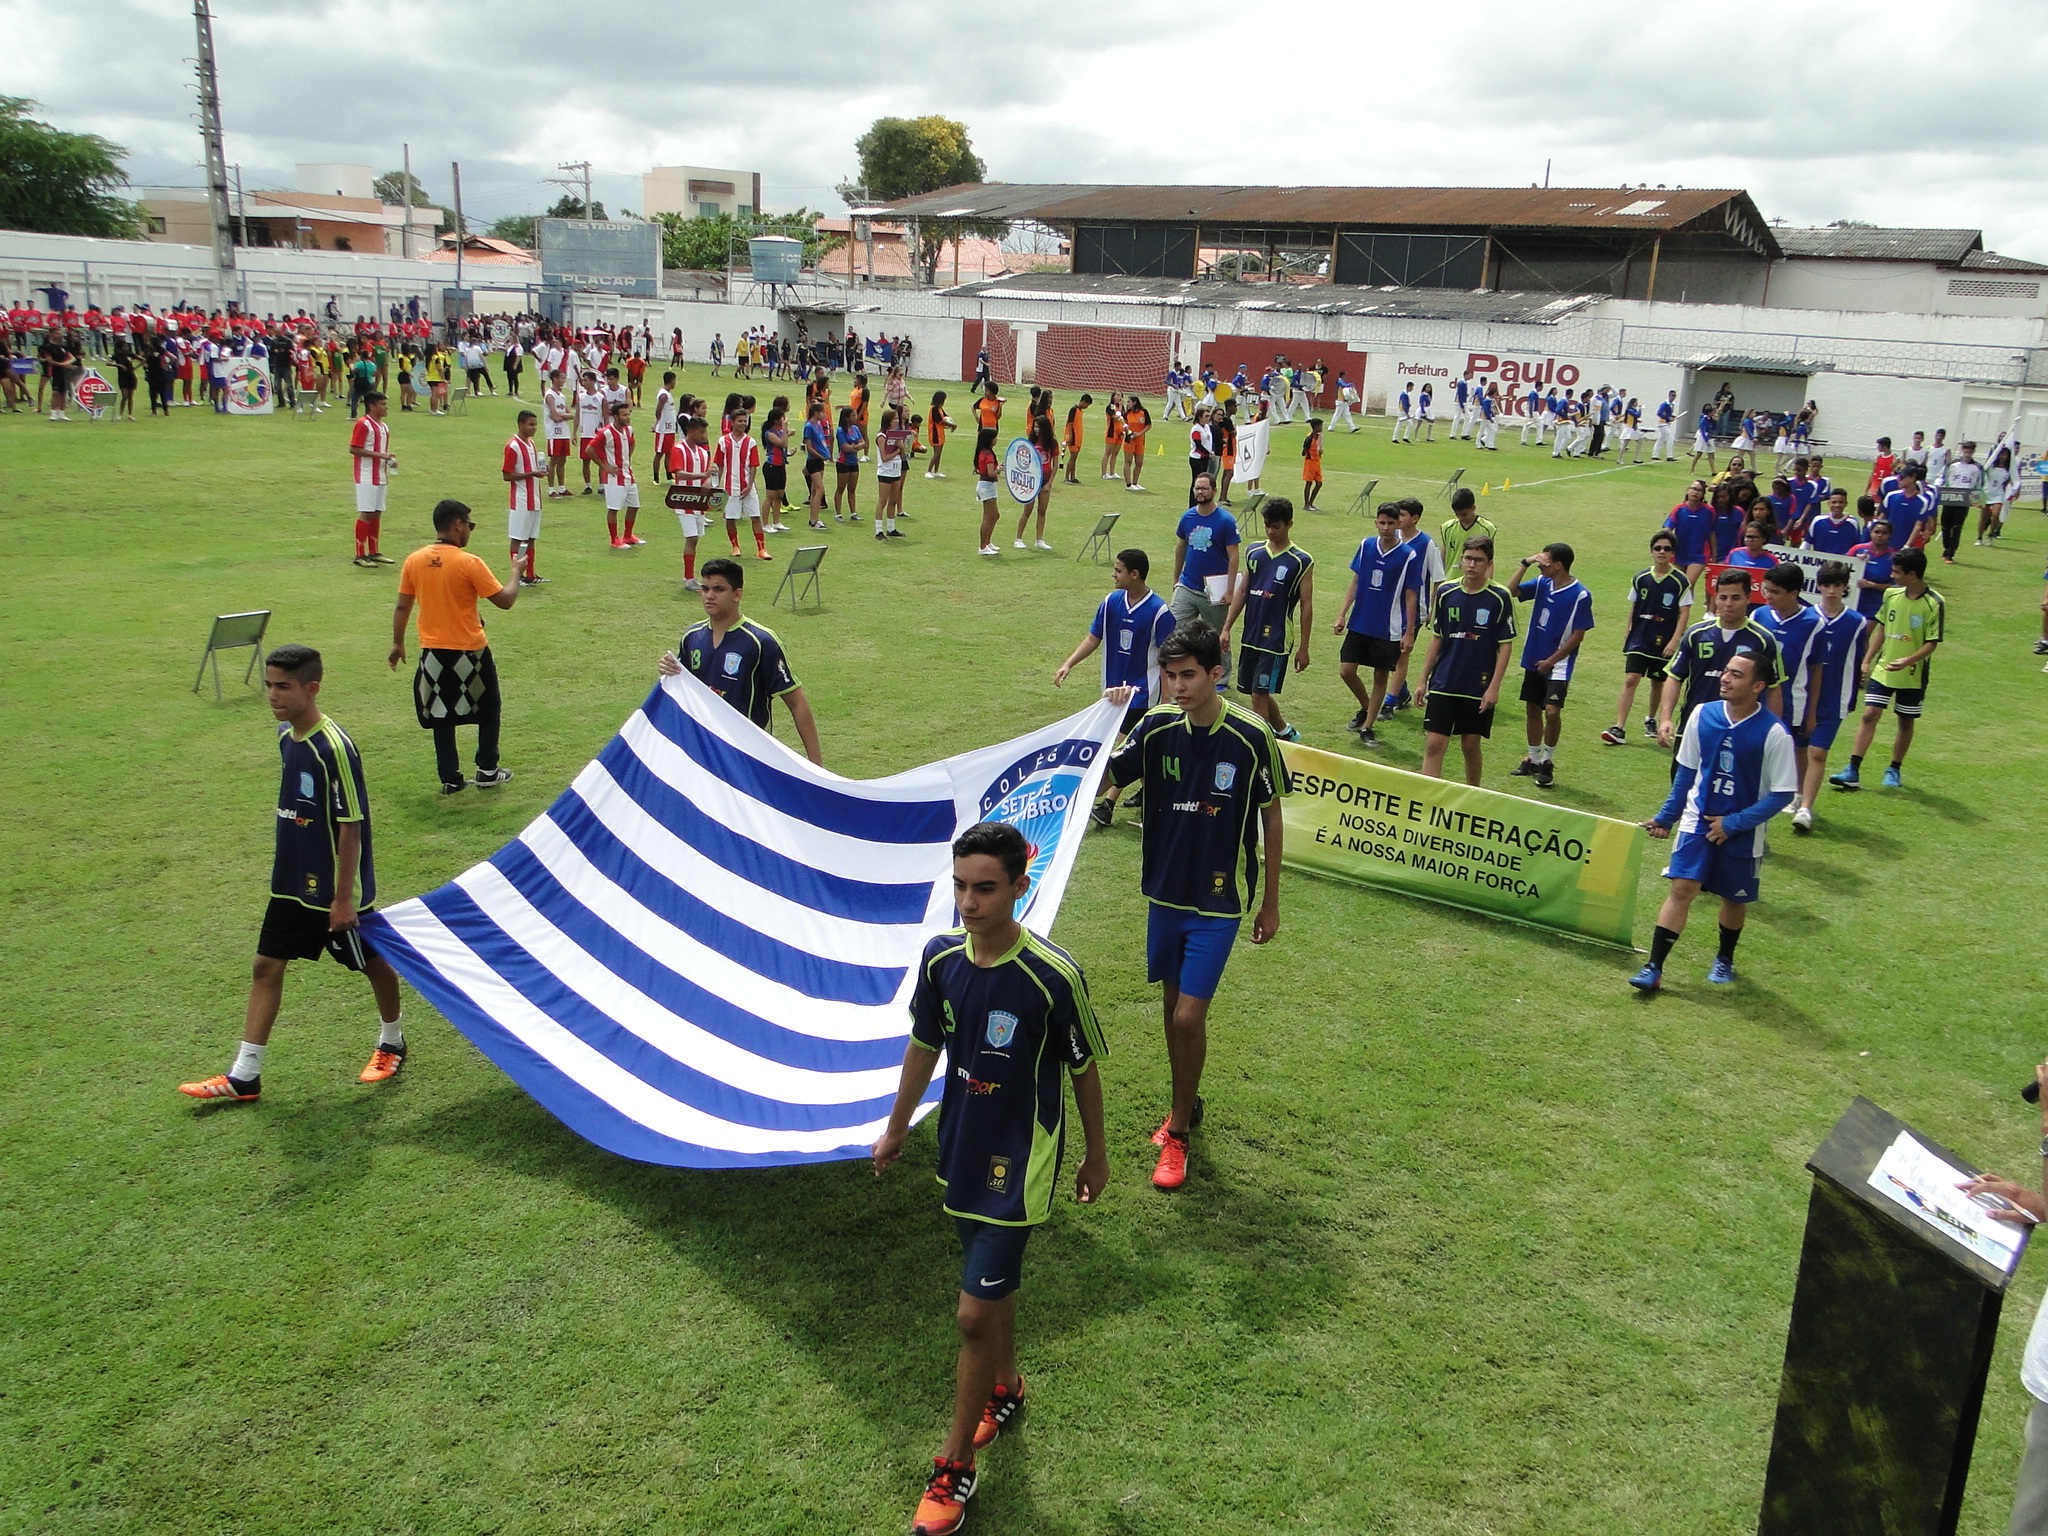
(1888, 112)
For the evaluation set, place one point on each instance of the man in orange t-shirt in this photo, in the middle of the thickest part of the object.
(456, 682)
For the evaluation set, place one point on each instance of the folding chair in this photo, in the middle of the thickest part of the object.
(1253, 503)
(1361, 504)
(804, 563)
(1450, 485)
(458, 400)
(1098, 541)
(232, 631)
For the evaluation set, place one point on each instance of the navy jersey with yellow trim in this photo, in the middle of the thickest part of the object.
(322, 788)
(746, 668)
(1272, 593)
(1008, 1030)
(1204, 789)
(1704, 651)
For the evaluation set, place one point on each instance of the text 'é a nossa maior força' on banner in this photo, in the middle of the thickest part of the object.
(1546, 865)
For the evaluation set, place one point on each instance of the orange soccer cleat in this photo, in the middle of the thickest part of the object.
(1005, 1407)
(223, 1087)
(943, 1509)
(384, 1064)
(1172, 1171)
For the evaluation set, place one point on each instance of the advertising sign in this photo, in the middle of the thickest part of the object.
(621, 256)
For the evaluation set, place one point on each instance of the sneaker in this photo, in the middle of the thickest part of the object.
(943, 1509)
(1523, 770)
(1005, 1407)
(384, 1063)
(588, 491)
(1289, 733)
(1802, 819)
(1721, 972)
(1019, 544)
(2041, 647)
(880, 535)
(1546, 774)
(366, 561)
(940, 476)
(1614, 736)
(456, 788)
(377, 559)
(620, 544)
(1102, 813)
(1194, 1122)
(1650, 726)
(1892, 779)
(1357, 722)
(895, 533)
(224, 1087)
(1172, 1169)
(990, 549)
(1135, 800)
(1649, 979)
(1368, 737)
(487, 778)
(762, 554)
(929, 475)
(634, 538)
(693, 585)
(533, 581)
(1948, 559)
(1846, 779)
(1041, 544)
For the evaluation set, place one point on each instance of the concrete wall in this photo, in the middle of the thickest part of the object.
(1820, 283)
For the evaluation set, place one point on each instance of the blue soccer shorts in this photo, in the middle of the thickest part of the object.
(1694, 857)
(991, 1257)
(1188, 950)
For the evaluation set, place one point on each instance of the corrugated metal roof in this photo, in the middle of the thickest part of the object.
(1297, 298)
(1736, 362)
(1991, 261)
(1947, 246)
(1435, 207)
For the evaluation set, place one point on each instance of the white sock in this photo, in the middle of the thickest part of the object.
(249, 1064)
(388, 1032)
(878, 525)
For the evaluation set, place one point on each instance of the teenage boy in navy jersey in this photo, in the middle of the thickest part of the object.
(321, 876)
(1378, 617)
(1793, 623)
(1213, 780)
(1011, 1012)
(1560, 617)
(1472, 631)
(740, 661)
(1659, 603)
(1279, 576)
(1129, 627)
(1705, 649)
(1736, 770)
(1836, 655)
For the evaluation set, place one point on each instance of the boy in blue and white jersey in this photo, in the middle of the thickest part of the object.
(1011, 1013)
(1666, 445)
(1532, 416)
(1431, 576)
(1559, 620)
(1736, 770)
(1835, 659)
(1404, 413)
(1378, 616)
(1128, 628)
(1793, 623)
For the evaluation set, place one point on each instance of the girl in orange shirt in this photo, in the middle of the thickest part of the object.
(1112, 435)
(937, 425)
(1076, 419)
(1312, 464)
(1137, 422)
(858, 400)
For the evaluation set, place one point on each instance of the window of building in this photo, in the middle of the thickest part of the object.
(708, 210)
(341, 243)
(743, 211)
(154, 222)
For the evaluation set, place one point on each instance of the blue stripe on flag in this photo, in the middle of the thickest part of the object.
(582, 1111)
(713, 1014)
(812, 975)
(909, 821)
(862, 900)
(541, 988)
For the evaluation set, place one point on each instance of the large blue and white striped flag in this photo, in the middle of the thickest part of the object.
(701, 954)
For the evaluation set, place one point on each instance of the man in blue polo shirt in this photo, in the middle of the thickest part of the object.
(1736, 770)
(1560, 616)
(1213, 779)
(1378, 616)
(1011, 1012)
(1205, 559)
(740, 661)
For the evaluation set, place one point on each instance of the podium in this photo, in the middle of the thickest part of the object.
(1886, 1355)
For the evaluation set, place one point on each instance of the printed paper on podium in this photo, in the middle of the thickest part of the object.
(1913, 1177)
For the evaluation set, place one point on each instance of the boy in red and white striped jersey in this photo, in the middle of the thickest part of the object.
(689, 463)
(369, 449)
(737, 463)
(612, 447)
(523, 471)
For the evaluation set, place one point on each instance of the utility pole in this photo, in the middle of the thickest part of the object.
(210, 133)
(581, 167)
(405, 229)
(461, 229)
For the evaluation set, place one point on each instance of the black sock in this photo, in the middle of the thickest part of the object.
(1856, 762)
(1898, 763)
(1661, 940)
(1729, 939)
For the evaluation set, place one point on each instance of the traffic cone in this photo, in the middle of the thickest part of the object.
(1507, 485)
(1486, 490)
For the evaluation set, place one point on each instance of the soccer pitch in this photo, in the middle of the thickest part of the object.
(1475, 1240)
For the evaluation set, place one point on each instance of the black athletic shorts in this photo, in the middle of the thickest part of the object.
(1650, 664)
(1445, 714)
(774, 477)
(295, 932)
(1539, 689)
(813, 465)
(1370, 651)
(991, 1257)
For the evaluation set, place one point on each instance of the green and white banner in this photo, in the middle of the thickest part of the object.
(1545, 865)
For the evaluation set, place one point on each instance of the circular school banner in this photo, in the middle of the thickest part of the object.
(1022, 471)
(248, 387)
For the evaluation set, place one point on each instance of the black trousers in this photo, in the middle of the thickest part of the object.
(1599, 443)
(1952, 520)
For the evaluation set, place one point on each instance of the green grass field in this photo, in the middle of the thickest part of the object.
(1476, 1240)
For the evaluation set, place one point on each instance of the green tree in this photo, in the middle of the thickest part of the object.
(569, 206)
(518, 228)
(905, 156)
(706, 245)
(59, 183)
